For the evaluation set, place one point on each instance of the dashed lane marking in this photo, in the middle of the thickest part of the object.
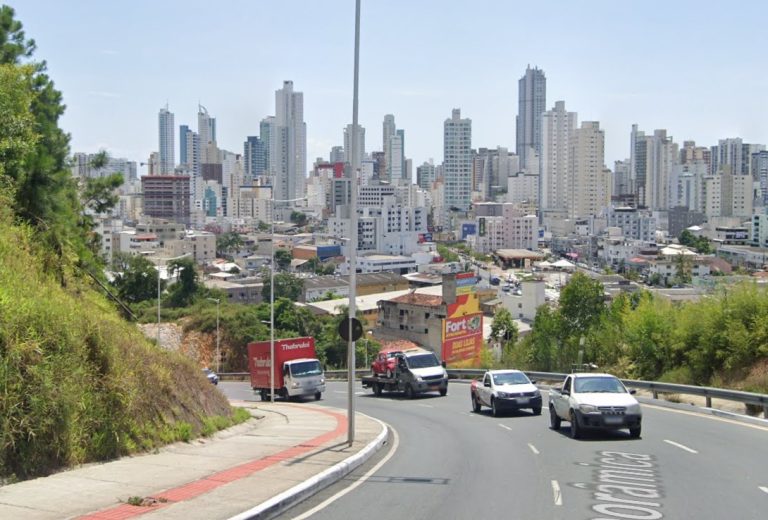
(682, 447)
(533, 449)
(425, 405)
(763, 489)
(505, 427)
(556, 492)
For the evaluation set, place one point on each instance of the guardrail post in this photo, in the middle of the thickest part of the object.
(765, 411)
(655, 392)
(709, 401)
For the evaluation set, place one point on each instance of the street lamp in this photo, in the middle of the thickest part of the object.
(272, 294)
(218, 353)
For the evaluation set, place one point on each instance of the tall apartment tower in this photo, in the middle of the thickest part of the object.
(589, 186)
(652, 161)
(457, 162)
(557, 126)
(425, 175)
(348, 144)
(290, 159)
(532, 101)
(388, 129)
(255, 158)
(167, 142)
(206, 130)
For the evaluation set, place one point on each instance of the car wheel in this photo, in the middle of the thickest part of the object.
(575, 429)
(634, 432)
(554, 419)
(494, 408)
(536, 410)
(318, 395)
(409, 391)
(476, 406)
(377, 389)
(444, 391)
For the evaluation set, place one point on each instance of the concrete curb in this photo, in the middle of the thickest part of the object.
(289, 498)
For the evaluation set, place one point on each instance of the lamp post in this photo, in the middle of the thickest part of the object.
(218, 353)
(272, 295)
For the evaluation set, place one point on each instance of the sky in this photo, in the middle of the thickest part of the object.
(696, 69)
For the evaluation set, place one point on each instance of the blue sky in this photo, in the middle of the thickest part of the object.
(694, 68)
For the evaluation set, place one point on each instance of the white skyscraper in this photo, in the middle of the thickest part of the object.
(206, 130)
(291, 143)
(388, 129)
(348, 143)
(532, 102)
(457, 162)
(167, 141)
(557, 127)
(589, 186)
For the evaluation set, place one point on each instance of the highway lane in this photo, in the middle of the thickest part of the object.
(456, 464)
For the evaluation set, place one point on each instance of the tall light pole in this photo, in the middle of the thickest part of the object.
(272, 295)
(353, 236)
(218, 353)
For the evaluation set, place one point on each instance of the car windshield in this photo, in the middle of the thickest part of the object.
(609, 385)
(512, 378)
(423, 361)
(306, 368)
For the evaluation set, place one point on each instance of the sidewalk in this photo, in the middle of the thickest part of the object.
(286, 453)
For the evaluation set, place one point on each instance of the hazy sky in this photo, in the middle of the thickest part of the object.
(694, 68)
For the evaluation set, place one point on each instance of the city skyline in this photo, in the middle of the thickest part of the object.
(607, 62)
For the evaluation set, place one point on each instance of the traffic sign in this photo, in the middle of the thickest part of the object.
(357, 329)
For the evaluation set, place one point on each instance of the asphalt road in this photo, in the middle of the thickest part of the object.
(451, 463)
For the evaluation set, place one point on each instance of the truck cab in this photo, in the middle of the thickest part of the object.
(420, 371)
(303, 377)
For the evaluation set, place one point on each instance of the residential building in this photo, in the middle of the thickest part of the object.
(457, 162)
(360, 150)
(728, 195)
(291, 145)
(389, 130)
(634, 223)
(255, 158)
(425, 175)
(532, 103)
(338, 154)
(589, 189)
(167, 143)
(557, 128)
(167, 197)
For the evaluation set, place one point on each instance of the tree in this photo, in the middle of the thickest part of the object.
(45, 195)
(228, 243)
(184, 291)
(581, 305)
(262, 226)
(682, 269)
(283, 259)
(286, 286)
(504, 328)
(136, 278)
(299, 218)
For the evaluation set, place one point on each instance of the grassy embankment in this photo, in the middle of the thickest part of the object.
(79, 384)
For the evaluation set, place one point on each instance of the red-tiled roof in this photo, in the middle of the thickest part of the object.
(419, 299)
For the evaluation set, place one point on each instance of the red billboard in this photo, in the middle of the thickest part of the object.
(462, 337)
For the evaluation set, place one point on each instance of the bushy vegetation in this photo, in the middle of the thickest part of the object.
(714, 341)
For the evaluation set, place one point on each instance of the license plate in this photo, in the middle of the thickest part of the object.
(522, 400)
(613, 420)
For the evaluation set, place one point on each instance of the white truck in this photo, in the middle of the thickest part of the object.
(594, 401)
(503, 390)
(416, 371)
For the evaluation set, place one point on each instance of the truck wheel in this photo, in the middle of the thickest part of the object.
(409, 391)
(377, 389)
(536, 410)
(476, 406)
(554, 419)
(575, 429)
(444, 391)
(494, 408)
(264, 396)
(318, 395)
(634, 432)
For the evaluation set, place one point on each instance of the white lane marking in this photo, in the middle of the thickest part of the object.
(763, 489)
(533, 449)
(339, 392)
(334, 498)
(678, 445)
(505, 427)
(425, 405)
(556, 493)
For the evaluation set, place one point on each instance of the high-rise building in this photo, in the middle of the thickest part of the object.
(348, 144)
(622, 182)
(255, 158)
(337, 155)
(457, 162)
(206, 126)
(532, 102)
(290, 143)
(652, 160)
(557, 127)
(760, 173)
(589, 186)
(183, 129)
(388, 130)
(167, 143)
(425, 175)
(394, 160)
(735, 153)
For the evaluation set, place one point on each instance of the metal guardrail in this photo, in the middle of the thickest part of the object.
(655, 387)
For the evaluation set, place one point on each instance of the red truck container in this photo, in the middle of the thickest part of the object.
(297, 372)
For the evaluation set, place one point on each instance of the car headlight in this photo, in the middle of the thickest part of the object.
(322, 380)
(419, 379)
(587, 408)
(296, 384)
(503, 394)
(633, 409)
